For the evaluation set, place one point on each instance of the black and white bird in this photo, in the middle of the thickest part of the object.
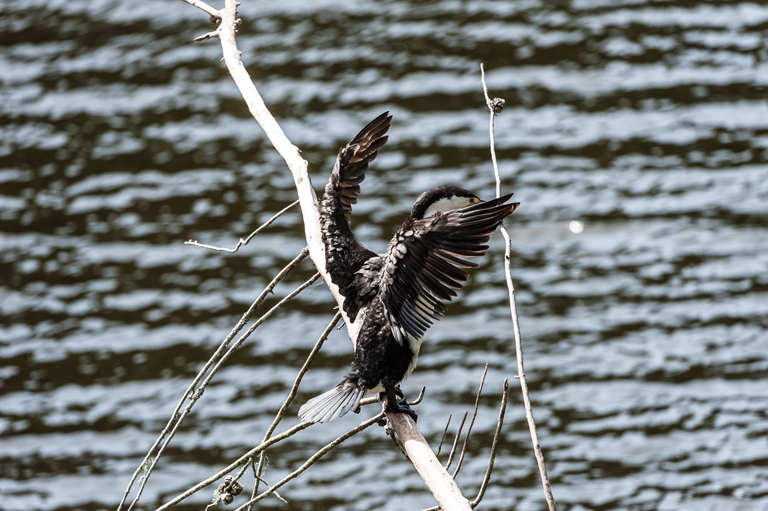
(399, 293)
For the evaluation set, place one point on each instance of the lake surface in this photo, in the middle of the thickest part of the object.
(635, 135)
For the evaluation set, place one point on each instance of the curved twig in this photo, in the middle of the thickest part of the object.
(489, 470)
(199, 392)
(291, 395)
(245, 241)
(456, 442)
(244, 459)
(471, 423)
(205, 7)
(440, 446)
(513, 311)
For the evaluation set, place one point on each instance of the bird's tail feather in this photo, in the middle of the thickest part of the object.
(335, 403)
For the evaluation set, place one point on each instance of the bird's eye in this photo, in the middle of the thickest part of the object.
(475, 200)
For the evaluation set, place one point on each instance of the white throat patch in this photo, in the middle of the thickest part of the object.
(448, 204)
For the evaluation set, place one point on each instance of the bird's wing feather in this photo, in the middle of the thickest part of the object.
(344, 254)
(353, 159)
(424, 261)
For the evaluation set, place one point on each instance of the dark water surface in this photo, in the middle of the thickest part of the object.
(646, 334)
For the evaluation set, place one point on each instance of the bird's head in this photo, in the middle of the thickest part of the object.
(442, 198)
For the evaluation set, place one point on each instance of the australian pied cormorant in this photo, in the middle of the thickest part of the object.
(401, 291)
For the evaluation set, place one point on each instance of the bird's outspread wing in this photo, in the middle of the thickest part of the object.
(344, 254)
(424, 261)
(353, 159)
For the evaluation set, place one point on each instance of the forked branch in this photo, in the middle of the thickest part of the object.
(196, 388)
(499, 423)
(289, 152)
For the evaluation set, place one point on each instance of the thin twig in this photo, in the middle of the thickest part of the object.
(515, 323)
(419, 397)
(291, 395)
(235, 464)
(302, 372)
(204, 6)
(319, 454)
(208, 35)
(370, 400)
(258, 478)
(149, 462)
(456, 442)
(471, 423)
(489, 470)
(439, 447)
(242, 241)
(209, 377)
(375, 398)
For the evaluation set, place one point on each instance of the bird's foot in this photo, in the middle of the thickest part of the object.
(395, 405)
(401, 406)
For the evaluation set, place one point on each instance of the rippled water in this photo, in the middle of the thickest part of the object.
(645, 334)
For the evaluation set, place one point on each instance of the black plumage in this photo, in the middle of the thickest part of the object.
(402, 291)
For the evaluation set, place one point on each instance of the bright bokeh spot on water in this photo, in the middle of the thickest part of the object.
(575, 226)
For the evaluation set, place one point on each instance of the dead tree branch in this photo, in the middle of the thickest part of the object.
(289, 152)
(193, 392)
(199, 392)
(319, 454)
(437, 478)
(456, 442)
(495, 107)
(492, 459)
(242, 460)
(422, 456)
(442, 485)
(291, 395)
(250, 236)
(471, 423)
(205, 7)
(440, 445)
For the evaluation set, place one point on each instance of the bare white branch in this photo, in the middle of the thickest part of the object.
(437, 478)
(204, 6)
(249, 238)
(513, 311)
(289, 152)
(209, 35)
